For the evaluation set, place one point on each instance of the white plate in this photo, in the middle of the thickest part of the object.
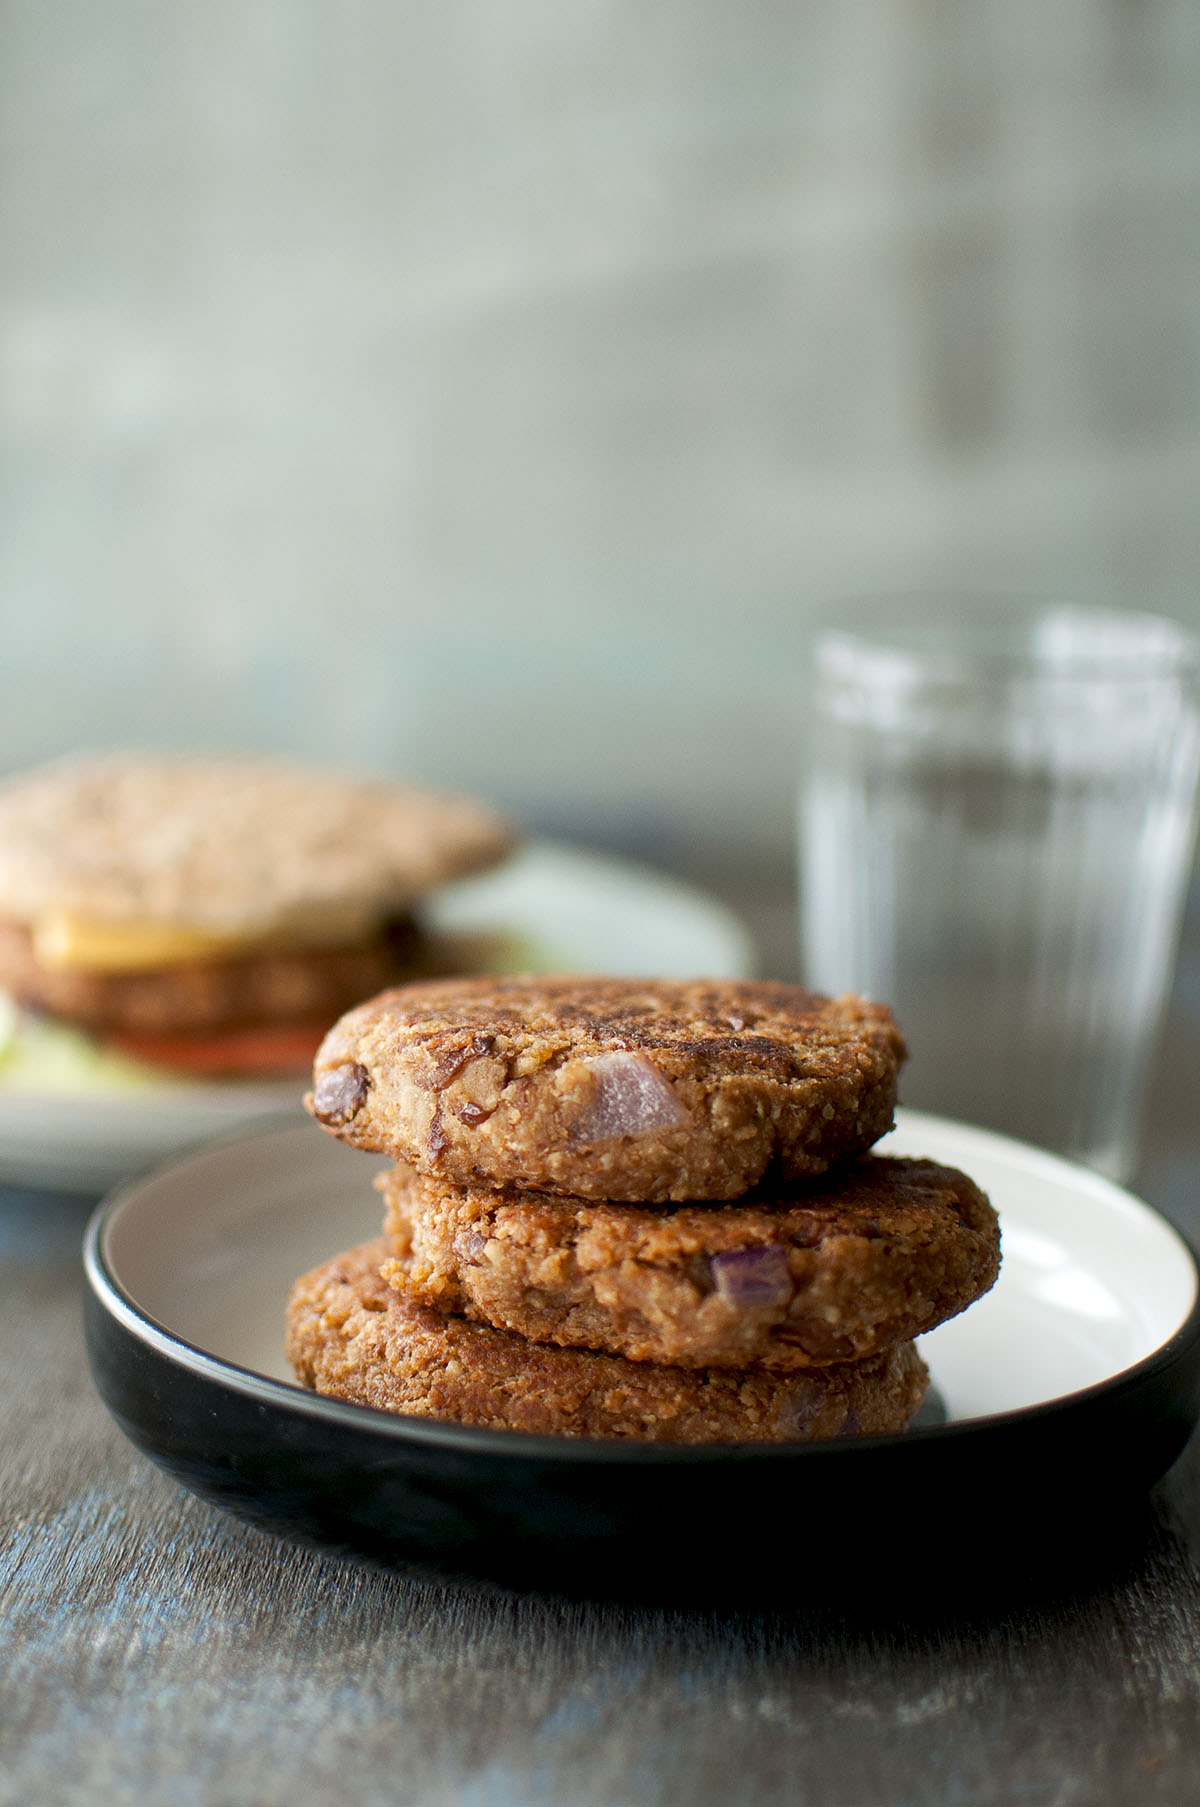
(564, 909)
(1092, 1280)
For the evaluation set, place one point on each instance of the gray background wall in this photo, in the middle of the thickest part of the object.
(491, 392)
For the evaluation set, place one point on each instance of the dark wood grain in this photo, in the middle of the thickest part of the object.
(152, 1649)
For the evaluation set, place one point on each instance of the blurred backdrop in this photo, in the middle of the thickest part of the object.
(491, 393)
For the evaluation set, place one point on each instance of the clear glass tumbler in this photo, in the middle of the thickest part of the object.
(997, 820)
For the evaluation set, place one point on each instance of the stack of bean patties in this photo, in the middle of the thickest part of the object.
(635, 1209)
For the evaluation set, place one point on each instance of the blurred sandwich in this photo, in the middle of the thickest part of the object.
(214, 915)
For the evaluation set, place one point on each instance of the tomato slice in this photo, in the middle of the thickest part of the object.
(277, 1050)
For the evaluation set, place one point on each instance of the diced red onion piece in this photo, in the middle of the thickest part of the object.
(469, 1245)
(339, 1092)
(749, 1278)
(803, 1406)
(628, 1096)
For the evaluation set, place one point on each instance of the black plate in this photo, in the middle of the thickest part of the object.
(1069, 1391)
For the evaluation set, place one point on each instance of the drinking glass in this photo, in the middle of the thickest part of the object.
(997, 819)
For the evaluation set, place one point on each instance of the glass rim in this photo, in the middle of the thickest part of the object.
(947, 636)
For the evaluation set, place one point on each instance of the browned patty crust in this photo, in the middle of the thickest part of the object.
(350, 1336)
(876, 1254)
(602, 1088)
(277, 985)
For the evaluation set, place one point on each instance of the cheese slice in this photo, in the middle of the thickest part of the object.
(66, 942)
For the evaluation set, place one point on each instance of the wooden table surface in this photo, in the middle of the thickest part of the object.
(153, 1649)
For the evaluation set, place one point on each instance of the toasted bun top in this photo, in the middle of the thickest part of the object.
(229, 843)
